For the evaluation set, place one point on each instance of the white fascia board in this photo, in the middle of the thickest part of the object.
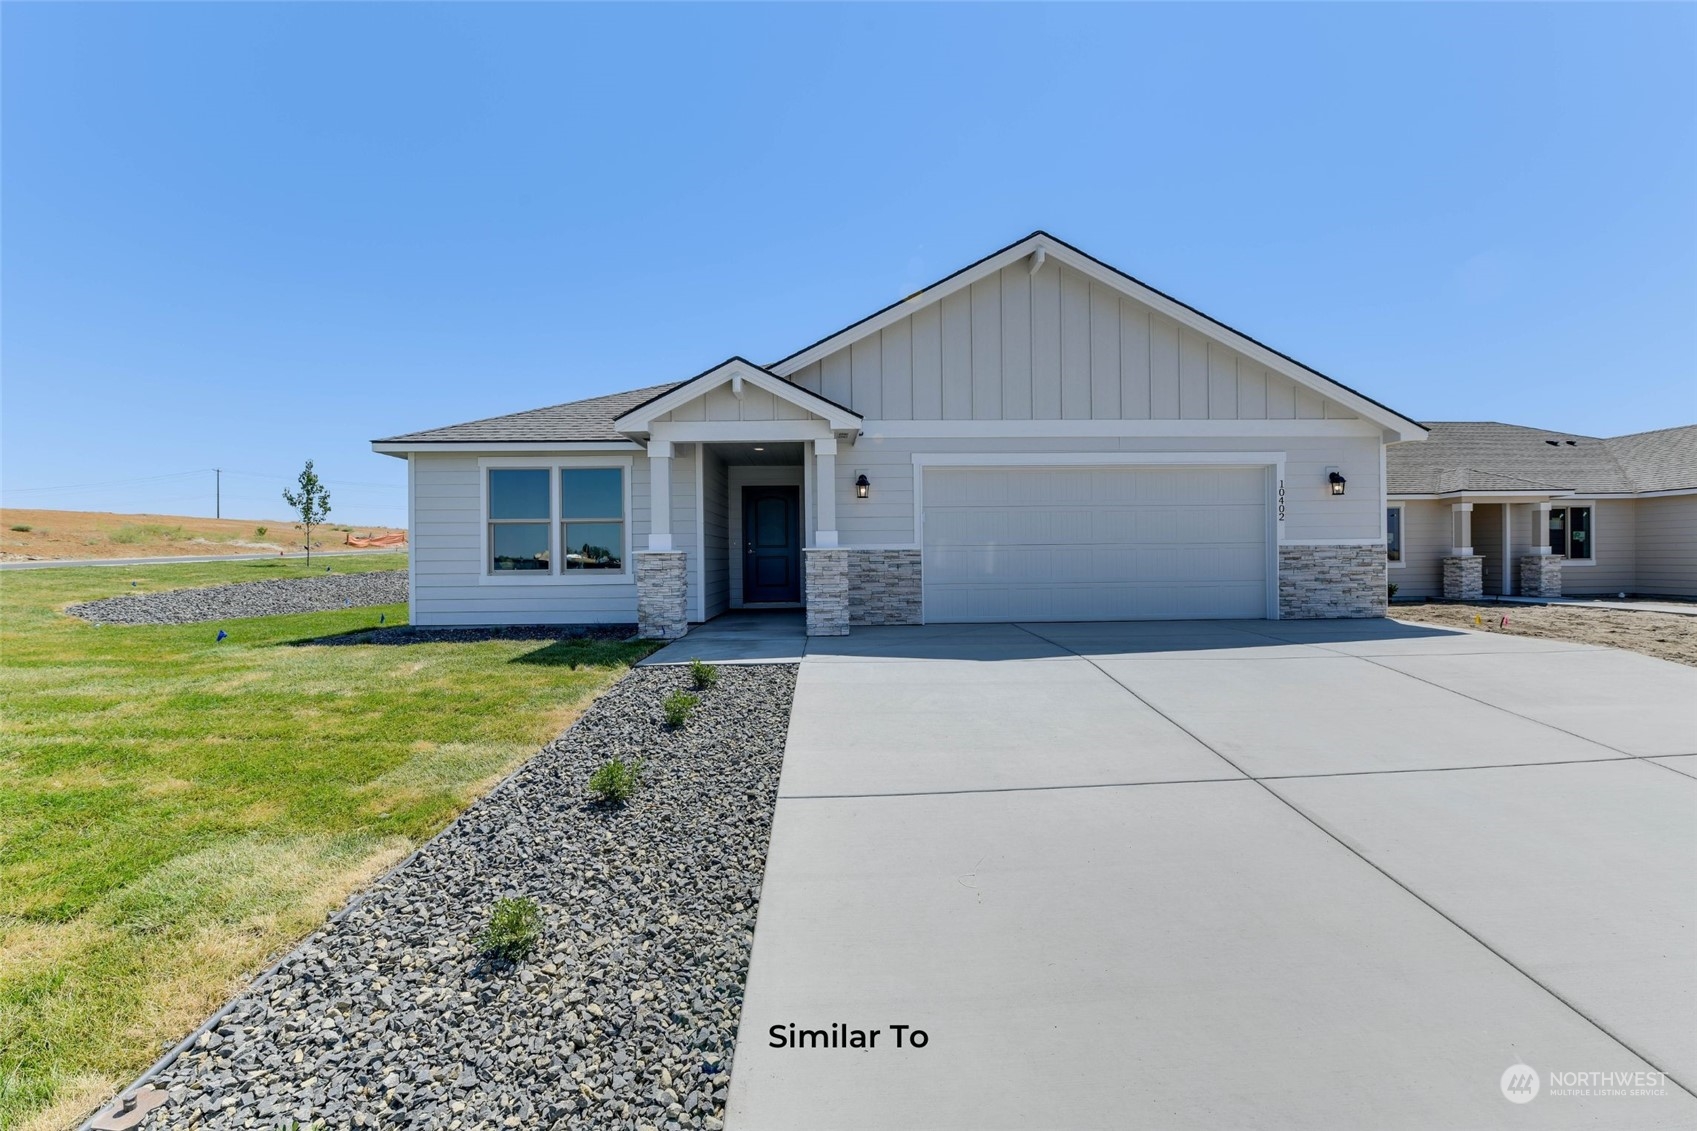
(640, 419)
(1487, 496)
(744, 431)
(1071, 429)
(458, 447)
(1403, 428)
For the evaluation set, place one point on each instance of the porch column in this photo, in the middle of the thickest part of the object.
(660, 495)
(825, 488)
(1461, 530)
(1464, 574)
(1540, 547)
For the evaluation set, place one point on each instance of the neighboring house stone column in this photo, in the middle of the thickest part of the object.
(827, 591)
(1331, 581)
(1464, 578)
(884, 587)
(1540, 575)
(662, 584)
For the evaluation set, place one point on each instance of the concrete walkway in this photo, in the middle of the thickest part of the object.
(1224, 875)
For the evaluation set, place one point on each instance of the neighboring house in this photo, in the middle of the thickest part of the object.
(1566, 514)
(1036, 437)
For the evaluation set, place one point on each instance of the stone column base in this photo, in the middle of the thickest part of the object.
(884, 587)
(662, 599)
(1464, 579)
(827, 592)
(1332, 581)
(1540, 575)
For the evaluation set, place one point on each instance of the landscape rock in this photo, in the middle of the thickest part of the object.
(626, 1013)
(249, 599)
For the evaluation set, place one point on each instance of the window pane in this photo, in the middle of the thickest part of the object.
(1579, 535)
(1558, 530)
(592, 492)
(519, 545)
(595, 545)
(1393, 534)
(518, 494)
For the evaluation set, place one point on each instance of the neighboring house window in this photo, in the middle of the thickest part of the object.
(1570, 532)
(1393, 534)
(520, 534)
(592, 517)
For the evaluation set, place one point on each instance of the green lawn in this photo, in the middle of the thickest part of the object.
(175, 810)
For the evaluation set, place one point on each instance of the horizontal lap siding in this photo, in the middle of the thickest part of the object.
(1425, 544)
(1614, 567)
(1667, 546)
(447, 563)
(1052, 346)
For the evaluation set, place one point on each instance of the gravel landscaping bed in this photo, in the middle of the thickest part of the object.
(625, 1014)
(248, 599)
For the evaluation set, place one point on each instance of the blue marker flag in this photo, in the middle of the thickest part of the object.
(222, 634)
(381, 617)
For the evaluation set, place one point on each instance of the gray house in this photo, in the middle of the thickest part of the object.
(1036, 437)
(1489, 509)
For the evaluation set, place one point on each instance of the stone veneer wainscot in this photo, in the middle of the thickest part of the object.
(1540, 575)
(662, 595)
(1464, 578)
(827, 592)
(1331, 581)
(884, 587)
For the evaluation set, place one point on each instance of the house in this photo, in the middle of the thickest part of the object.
(1486, 509)
(1036, 437)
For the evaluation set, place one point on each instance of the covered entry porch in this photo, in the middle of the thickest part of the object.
(1504, 545)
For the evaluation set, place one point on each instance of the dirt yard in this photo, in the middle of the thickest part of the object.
(1662, 635)
(42, 535)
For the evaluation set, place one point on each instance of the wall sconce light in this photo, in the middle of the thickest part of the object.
(862, 486)
(1337, 481)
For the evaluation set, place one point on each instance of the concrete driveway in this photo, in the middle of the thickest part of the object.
(1227, 875)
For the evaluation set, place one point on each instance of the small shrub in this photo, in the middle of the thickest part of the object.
(126, 535)
(259, 531)
(515, 926)
(705, 675)
(678, 705)
(21, 529)
(614, 782)
(1390, 591)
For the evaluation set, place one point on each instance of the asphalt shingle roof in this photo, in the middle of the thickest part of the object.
(1484, 456)
(1663, 460)
(574, 421)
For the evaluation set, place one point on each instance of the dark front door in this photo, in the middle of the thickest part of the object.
(771, 544)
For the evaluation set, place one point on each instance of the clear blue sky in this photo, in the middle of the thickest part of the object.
(241, 235)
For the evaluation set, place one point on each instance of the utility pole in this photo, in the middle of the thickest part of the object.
(217, 492)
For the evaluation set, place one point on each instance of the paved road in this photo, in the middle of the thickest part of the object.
(172, 560)
(1225, 875)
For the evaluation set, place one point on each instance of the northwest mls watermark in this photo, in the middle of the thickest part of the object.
(1521, 1084)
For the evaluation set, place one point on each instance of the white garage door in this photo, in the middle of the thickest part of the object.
(1094, 543)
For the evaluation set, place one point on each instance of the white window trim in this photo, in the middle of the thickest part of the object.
(1402, 532)
(1570, 504)
(556, 574)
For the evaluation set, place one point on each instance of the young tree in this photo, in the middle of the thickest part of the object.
(311, 503)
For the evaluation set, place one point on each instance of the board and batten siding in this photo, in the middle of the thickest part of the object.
(1054, 346)
(1667, 546)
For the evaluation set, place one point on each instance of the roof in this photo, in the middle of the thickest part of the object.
(1485, 457)
(734, 370)
(584, 421)
(1663, 460)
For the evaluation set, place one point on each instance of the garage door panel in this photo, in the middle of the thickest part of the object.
(1095, 543)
